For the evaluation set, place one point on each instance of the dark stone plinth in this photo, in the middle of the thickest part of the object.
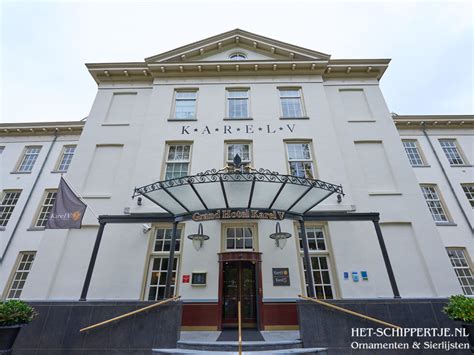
(323, 327)
(56, 329)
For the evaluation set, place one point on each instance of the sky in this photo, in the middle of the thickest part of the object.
(44, 45)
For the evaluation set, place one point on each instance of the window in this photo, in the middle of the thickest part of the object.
(9, 201)
(238, 103)
(319, 255)
(28, 160)
(291, 106)
(451, 151)
(66, 157)
(413, 152)
(177, 161)
(242, 149)
(159, 259)
(22, 269)
(237, 56)
(300, 160)
(469, 191)
(185, 104)
(239, 238)
(462, 268)
(45, 209)
(434, 203)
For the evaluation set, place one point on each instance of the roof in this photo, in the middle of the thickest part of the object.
(41, 128)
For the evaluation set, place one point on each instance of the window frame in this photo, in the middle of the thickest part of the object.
(2, 196)
(15, 270)
(228, 99)
(327, 253)
(166, 153)
(458, 151)
(302, 105)
(311, 152)
(418, 150)
(228, 143)
(469, 267)
(470, 199)
(39, 210)
(152, 255)
(239, 224)
(175, 100)
(23, 156)
(61, 158)
(441, 202)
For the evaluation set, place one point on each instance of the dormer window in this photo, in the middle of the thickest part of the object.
(237, 56)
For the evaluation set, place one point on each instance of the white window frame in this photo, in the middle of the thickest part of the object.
(236, 238)
(169, 162)
(463, 268)
(65, 158)
(317, 253)
(245, 162)
(301, 160)
(435, 203)
(468, 190)
(452, 151)
(20, 273)
(10, 206)
(229, 99)
(45, 208)
(300, 97)
(414, 153)
(163, 254)
(176, 99)
(28, 159)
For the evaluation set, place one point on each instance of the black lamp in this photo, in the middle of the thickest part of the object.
(280, 237)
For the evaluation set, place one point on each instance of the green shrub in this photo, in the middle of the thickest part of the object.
(15, 312)
(460, 308)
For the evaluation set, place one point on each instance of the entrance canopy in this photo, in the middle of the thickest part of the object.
(230, 188)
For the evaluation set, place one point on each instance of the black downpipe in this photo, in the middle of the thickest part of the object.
(29, 195)
(446, 176)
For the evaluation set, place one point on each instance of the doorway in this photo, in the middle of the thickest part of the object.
(239, 283)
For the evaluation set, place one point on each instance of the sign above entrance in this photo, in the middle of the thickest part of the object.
(246, 213)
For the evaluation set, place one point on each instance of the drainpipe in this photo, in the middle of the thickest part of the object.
(446, 176)
(29, 195)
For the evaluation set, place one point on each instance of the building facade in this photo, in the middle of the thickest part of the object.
(278, 107)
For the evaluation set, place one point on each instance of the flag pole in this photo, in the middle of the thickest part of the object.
(79, 196)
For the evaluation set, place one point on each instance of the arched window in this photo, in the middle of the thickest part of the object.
(237, 56)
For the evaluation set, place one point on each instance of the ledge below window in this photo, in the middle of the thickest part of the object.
(447, 224)
(421, 166)
(295, 118)
(182, 119)
(36, 229)
(2, 229)
(20, 172)
(461, 166)
(238, 119)
(384, 193)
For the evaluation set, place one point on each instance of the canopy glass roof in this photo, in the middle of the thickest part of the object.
(229, 188)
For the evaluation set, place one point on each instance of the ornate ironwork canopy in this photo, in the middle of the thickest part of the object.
(231, 188)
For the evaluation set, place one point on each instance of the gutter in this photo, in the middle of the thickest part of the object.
(446, 176)
(29, 195)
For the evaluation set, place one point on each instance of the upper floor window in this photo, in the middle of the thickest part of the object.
(434, 203)
(413, 152)
(22, 270)
(66, 157)
(240, 238)
(185, 104)
(29, 159)
(462, 268)
(469, 191)
(291, 103)
(177, 161)
(238, 103)
(299, 160)
(9, 201)
(451, 150)
(237, 56)
(45, 209)
(242, 149)
(315, 237)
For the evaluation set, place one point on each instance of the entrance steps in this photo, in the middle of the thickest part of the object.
(282, 342)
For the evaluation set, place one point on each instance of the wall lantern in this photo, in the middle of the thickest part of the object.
(280, 237)
(199, 238)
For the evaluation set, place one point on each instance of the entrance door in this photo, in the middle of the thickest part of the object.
(239, 284)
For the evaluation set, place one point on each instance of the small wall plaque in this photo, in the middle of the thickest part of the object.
(199, 279)
(281, 276)
(186, 279)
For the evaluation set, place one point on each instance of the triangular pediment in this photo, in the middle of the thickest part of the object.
(253, 47)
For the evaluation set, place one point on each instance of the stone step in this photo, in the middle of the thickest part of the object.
(234, 345)
(316, 351)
